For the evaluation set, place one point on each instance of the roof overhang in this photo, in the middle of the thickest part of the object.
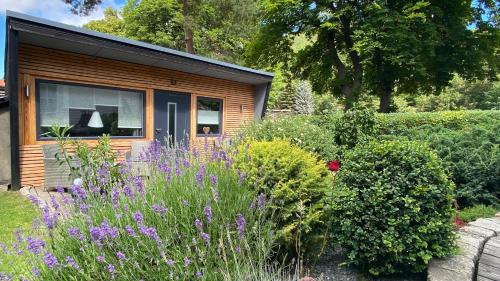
(49, 34)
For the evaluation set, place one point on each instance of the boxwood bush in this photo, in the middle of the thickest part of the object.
(296, 182)
(391, 207)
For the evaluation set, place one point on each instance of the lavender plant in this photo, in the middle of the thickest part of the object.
(193, 218)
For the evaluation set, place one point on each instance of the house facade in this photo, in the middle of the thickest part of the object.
(101, 84)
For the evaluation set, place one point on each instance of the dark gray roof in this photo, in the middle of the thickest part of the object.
(50, 34)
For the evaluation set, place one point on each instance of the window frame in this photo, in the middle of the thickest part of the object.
(221, 120)
(39, 136)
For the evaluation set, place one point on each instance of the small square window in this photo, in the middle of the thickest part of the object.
(209, 116)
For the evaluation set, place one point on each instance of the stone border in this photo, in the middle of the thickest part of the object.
(471, 240)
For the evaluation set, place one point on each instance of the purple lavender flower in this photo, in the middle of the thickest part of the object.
(185, 203)
(84, 208)
(128, 191)
(35, 271)
(54, 203)
(71, 262)
(100, 258)
(111, 268)
(103, 174)
(238, 249)
(50, 220)
(187, 261)
(114, 197)
(198, 224)
(95, 233)
(200, 174)
(130, 230)
(170, 262)
(149, 232)
(205, 237)
(50, 260)
(241, 175)
(120, 255)
(199, 274)
(138, 217)
(159, 209)
(240, 223)
(125, 207)
(216, 196)
(35, 245)
(208, 213)
(213, 180)
(139, 185)
(261, 201)
(79, 192)
(34, 199)
(186, 163)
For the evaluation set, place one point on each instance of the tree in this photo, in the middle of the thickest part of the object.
(111, 23)
(83, 7)
(304, 102)
(376, 46)
(213, 28)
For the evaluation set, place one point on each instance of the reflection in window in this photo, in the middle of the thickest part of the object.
(209, 116)
(91, 111)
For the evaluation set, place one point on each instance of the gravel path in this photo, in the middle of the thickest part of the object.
(329, 268)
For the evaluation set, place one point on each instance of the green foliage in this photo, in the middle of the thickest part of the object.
(391, 207)
(297, 183)
(354, 127)
(220, 29)
(87, 162)
(300, 131)
(479, 211)
(462, 94)
(111, 23)
(191, 219)
(468, 144)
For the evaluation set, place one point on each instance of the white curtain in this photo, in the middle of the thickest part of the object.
(130, 110)
(56, 100)
(54, 105)
(208, 117)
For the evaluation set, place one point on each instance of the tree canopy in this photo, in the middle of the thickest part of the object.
(378, 47)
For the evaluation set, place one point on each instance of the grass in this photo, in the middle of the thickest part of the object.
(15, 211)
(478, 211)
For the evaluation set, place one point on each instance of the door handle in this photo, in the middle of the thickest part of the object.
(158, 130)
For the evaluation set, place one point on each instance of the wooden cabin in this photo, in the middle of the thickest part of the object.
(103, 84)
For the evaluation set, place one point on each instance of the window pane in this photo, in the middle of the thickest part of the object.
(172, 108)
(209, 113)
(118, 112)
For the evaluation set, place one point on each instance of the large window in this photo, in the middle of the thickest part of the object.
(90, 110)
(209, 116)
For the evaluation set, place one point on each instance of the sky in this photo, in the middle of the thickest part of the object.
(55, 10)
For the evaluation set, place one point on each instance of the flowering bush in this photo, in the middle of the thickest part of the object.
(391, 207)
(297, 183)
(193, 218)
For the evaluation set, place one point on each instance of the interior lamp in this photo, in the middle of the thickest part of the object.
(95, 120)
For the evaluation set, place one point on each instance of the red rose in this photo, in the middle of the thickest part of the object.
(333, 165)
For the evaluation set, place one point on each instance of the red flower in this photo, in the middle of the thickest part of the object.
(333, 165)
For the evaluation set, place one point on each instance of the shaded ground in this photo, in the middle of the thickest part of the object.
(329, 268)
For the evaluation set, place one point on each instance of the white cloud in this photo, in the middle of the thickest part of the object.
(55, 10)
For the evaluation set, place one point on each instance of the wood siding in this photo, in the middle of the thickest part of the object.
(42, 63)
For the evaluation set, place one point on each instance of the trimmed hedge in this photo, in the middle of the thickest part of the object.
(391, 207)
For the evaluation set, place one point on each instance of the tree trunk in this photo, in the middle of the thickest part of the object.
(385, 98)
(188, 26)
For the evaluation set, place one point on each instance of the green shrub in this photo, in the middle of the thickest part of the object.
(354, 127)
(300, 131)
(297, 182)
(479, 211)
(391, 207)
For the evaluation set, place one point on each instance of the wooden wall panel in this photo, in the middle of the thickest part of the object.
(42, 63)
